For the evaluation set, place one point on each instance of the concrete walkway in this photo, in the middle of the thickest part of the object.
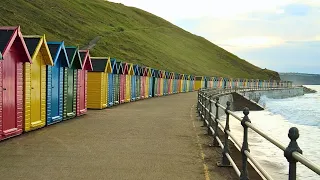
(148, 139)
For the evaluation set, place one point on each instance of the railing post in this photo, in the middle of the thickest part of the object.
(245, 145)
(203, 110)
(210, 117)
(292, 147)
(198, 103)
(225, 161)
(215, 135)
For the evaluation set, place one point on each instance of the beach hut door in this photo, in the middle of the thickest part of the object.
(9, 124)
(36, 91)
(70, 93)
(55, 83)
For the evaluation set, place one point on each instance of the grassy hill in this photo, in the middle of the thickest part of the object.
(128, 34)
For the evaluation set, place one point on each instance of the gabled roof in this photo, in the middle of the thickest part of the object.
(140, 70)
(86, 60)
(130, 69)
(125, 68)
(74, 57)
(110, 65)
(152, 72)
(58, 53)
(149, 73)
(158, 73)
(145, 71)
(136, 70)
(155, 72)
(199, 78)
(38, 44)
(119, 67)
(99, 64)
(114, 66)
(10, 35)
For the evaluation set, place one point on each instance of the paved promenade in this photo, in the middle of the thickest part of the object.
(157, 138)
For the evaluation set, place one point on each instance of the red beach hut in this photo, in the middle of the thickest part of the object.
(15, 53)
(82, 82)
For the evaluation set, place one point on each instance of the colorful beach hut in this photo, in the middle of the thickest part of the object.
(98, 83)
(70, 83)
(129, 73)
(123, 82)
(135, 83)
(14, 54)
(111, 82)
(198, 82)
(35, 82)
(82, 82)
(55, 82)
(116, 78)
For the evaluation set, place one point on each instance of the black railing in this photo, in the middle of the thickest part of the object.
(293, 154)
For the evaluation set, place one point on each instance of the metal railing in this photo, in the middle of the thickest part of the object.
(292, 152)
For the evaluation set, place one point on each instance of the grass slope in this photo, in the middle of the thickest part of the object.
(126, 33)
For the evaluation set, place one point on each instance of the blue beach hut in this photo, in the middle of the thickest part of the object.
(55, 82)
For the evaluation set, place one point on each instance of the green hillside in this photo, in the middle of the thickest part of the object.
(128, 34)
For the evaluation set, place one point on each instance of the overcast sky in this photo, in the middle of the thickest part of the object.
(282, 35)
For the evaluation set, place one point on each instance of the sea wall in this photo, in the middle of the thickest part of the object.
(249, 99)
(273, 94)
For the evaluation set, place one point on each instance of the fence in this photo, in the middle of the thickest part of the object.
(292, 152)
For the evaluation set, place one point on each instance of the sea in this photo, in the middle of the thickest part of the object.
(278, 117)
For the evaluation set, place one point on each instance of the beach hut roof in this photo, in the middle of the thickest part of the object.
(74, 57)
(86, 61)
(9, 36)
(130, 69)
(136, 69)
(99, 64)
(58, 51)
(37, 44)
(125, 68)
(119, 67)
(114, 65)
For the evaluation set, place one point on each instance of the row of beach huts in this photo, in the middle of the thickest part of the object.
(43, 83)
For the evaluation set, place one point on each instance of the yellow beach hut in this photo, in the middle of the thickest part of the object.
(35, 82)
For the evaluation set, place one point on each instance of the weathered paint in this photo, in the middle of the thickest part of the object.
(35, 79)
(14, 53)
(55, 82)
(82, 82)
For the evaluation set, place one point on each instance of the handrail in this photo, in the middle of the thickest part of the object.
(292, 152)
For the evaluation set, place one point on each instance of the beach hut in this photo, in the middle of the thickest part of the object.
(70, 83)
(135, 83)
(156, 83)
(129, 74)
(198, 82)
(98, 83)
(150, 83)
(55, 82)
(35, 82)
(142, 82)
(14, 54)
(146, 82)
(82, 82)
(162, 76)
(123, 82)
(111, 82)
(116, 81)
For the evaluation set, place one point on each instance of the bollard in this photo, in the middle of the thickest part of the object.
(292, 147)
(210, 117)
(245, 146)
(225, 161)
(215, 135)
